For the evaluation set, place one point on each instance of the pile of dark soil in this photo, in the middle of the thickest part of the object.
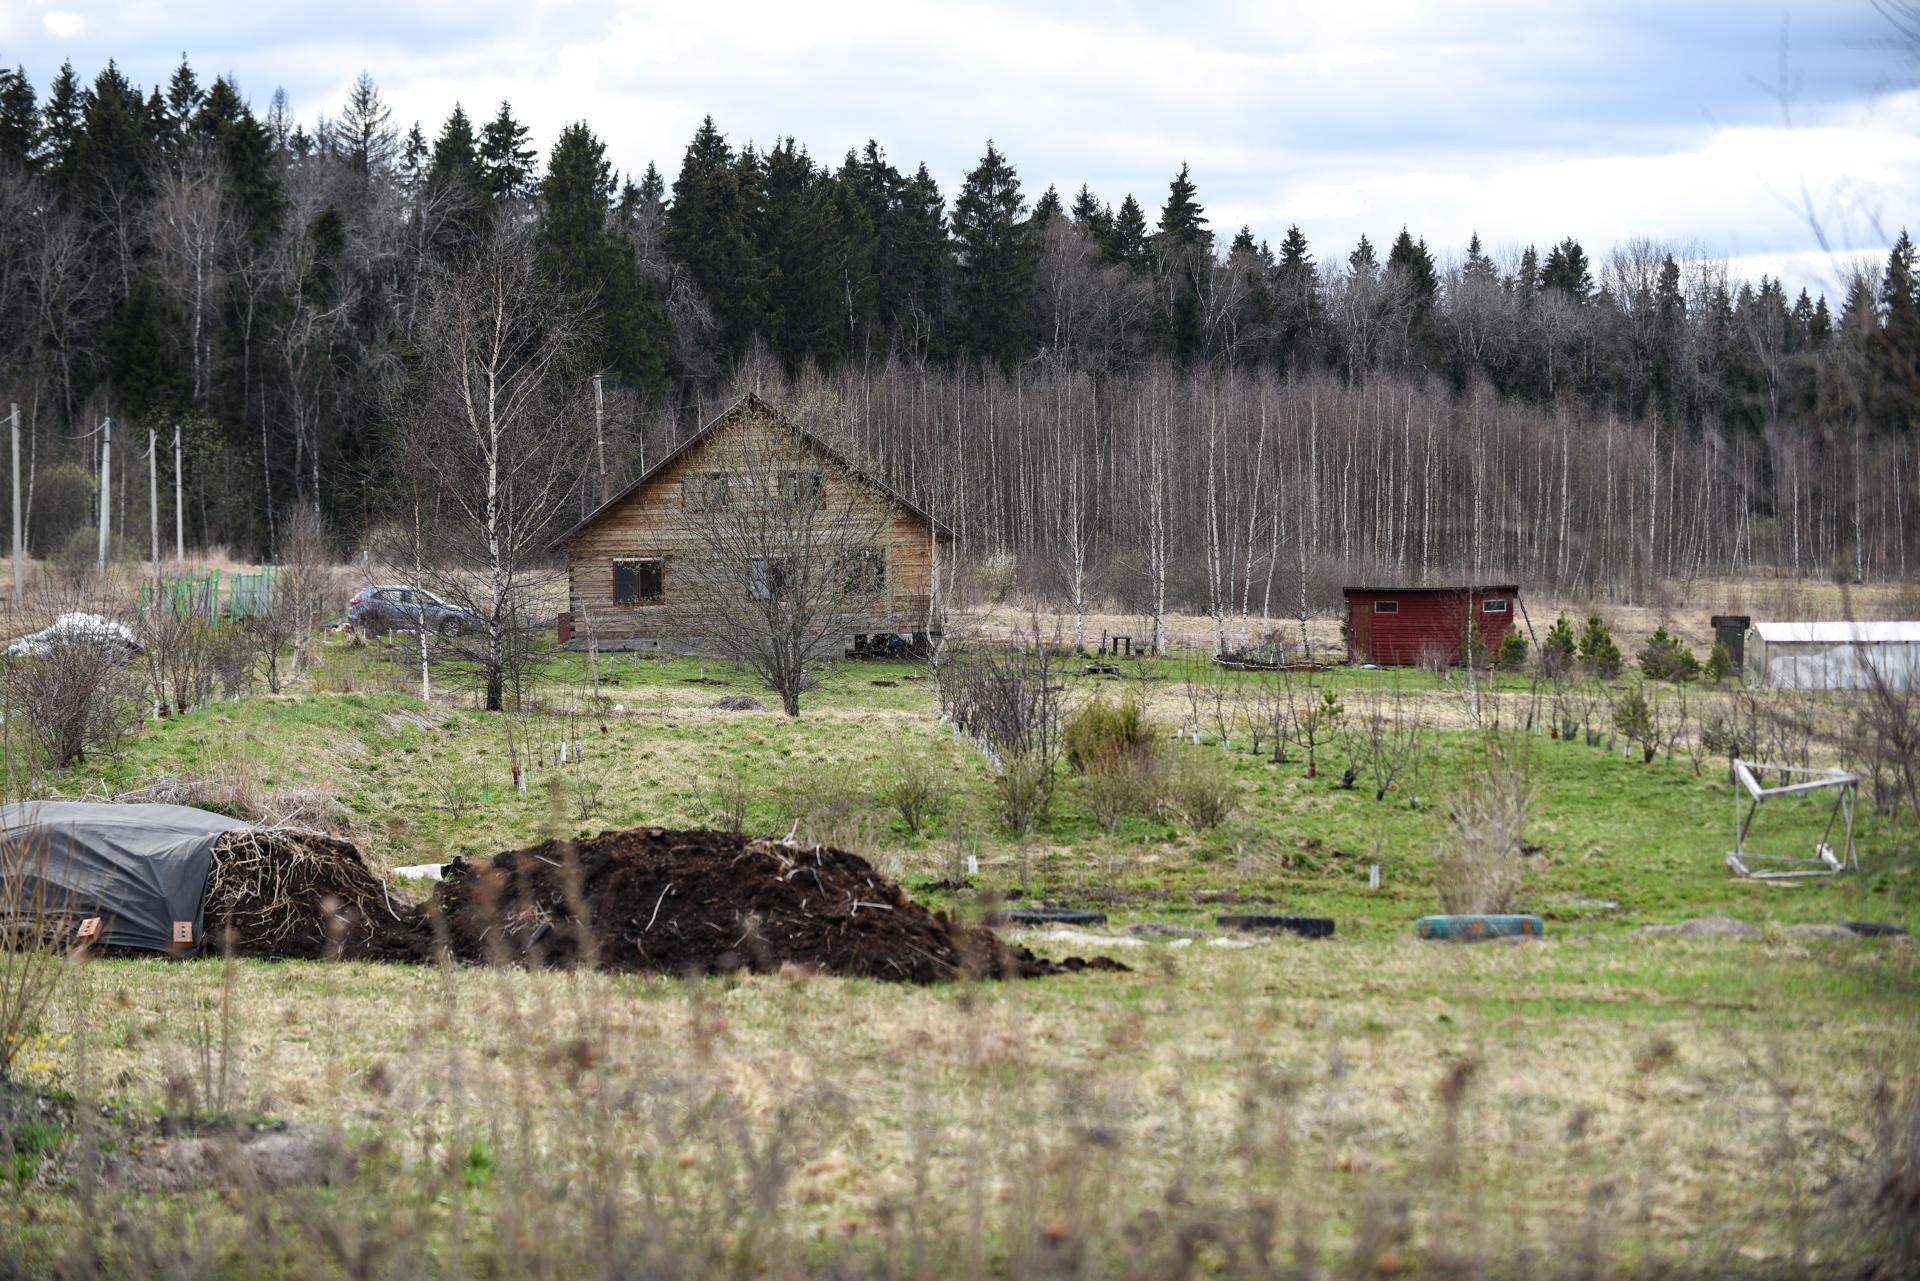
(283, 892)
(712, 902)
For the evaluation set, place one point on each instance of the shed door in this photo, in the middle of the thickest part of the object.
(1361, 618)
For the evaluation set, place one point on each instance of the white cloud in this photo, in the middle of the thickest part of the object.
(63, 24)
(1524, 122)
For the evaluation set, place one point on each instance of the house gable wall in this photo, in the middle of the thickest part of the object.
(653, 522)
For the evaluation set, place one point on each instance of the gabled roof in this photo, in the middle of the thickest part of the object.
(1838, 633)
(1478, 590)
(748, 401)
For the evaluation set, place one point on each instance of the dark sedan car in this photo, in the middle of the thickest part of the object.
(399, 607)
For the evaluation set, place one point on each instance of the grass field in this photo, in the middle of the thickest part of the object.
(1602, 1102)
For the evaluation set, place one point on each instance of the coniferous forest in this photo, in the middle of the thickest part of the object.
(1101, 387)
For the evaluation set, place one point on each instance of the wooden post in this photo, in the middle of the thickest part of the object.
(599, 437)
(19, 578)
(106, 490)
(179, 519)
(153, 496)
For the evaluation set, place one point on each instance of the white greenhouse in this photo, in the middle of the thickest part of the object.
(1840, 655)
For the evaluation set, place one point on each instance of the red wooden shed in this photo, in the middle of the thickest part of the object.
(1399, 626)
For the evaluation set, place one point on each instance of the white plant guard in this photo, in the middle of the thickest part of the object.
(1774, 867)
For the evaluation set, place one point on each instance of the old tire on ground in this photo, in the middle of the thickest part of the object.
(1313, 927)
(1474, 928)
(1875, 928)
(1047, 916)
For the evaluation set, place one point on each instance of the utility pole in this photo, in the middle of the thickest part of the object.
(599, 435)
(106, 489)
(179, 520)
(19, 577)
(153, 496)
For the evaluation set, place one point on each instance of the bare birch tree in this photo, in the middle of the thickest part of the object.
(497, 426)
(789, 560)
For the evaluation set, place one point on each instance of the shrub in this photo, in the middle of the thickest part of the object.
(76, 697)
(1482, 871)
(1130, 783)
(1104, 730)
(727, 796)
(1665, 658)
(1202, 789)
(63, 501)
(1634, 718)
(1558, 650)
(1024, 789)
(1598, 651)
(1513, 651)
(1473, 651)
(916, 791)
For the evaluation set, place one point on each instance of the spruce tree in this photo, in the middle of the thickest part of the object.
(995, 273)
(710, 230)
(921, 319)
(246, 151)
(1895, 394)
(1567, 270)
(60, 125)
(1479, 267)
(363, 134)
(19, 121)
(581, 251)
(506, 157)
(414, 154)
(1183, 221)
(1090, 216)
(1127, 236)
(456, 182)
(1362, 262)
(111, 155)
(1046, 209)
(1296, 293)
(184, 95)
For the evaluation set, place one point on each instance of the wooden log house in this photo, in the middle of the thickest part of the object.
(623, 591)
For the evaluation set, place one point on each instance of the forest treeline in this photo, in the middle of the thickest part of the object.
(1044, 371)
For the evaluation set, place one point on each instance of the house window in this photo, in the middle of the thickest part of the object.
(867, 571)
(1493, 607)
(800, 488)
(639, 582)
(1386, 607)
(768, 580)
(706, 491)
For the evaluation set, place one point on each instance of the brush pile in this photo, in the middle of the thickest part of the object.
(286, 892)
(705, 902)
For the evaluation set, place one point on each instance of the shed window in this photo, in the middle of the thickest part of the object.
(866, 571)
(706, 492)
(1386, 607)
(638, 582)
(1493, 607)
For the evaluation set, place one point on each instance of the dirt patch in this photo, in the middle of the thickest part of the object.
(705, 902)
(282, 892)
(738, 703)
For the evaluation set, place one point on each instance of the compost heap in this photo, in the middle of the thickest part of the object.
(284, 892)
(712, 902)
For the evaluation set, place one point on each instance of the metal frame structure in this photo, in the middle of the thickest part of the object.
(1776, 867)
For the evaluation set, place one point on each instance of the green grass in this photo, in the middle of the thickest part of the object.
(1692, 1097)
(1649, 838)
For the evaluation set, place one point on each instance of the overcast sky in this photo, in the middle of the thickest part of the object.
(1713, 124)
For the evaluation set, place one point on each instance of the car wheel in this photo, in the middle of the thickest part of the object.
(449, 627)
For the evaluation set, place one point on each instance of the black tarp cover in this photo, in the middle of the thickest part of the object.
(140, 868)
